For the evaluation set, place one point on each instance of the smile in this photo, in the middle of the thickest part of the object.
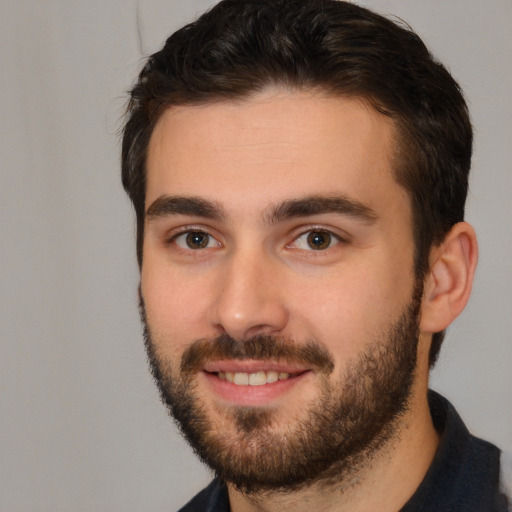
(253, 383)
(253, 379)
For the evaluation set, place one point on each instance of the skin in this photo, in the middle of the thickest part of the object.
(258, 275)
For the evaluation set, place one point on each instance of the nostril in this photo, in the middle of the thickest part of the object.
(247, 303)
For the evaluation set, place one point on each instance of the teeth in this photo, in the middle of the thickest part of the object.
(241, 379)
(257, 379)
(253, 379)
(272, 377)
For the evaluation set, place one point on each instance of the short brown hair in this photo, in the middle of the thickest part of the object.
(240, 47)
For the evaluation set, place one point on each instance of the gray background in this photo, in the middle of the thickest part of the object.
(81, 426)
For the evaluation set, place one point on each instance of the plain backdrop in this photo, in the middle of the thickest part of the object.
(81, 426)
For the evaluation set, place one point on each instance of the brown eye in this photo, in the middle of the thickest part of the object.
(318, 240)
(197, 240)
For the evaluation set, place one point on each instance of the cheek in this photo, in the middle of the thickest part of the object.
(338, 317)
(349, 308)
(176, 304)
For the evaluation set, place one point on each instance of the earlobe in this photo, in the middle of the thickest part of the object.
(450, 279)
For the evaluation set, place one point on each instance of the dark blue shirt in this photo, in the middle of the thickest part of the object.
(464, 475)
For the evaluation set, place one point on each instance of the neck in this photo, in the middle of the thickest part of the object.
(385, 482)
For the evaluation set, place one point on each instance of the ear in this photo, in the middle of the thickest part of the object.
(450, 279)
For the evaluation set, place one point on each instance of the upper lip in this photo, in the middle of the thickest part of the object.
(251, 366)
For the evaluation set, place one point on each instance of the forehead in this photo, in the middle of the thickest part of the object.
(271, 147)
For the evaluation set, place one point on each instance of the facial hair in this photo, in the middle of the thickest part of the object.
(353, 418)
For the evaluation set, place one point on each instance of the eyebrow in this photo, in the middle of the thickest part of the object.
(165, 206)
(317, 205)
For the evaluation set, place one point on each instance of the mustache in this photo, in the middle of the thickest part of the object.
(259, 347)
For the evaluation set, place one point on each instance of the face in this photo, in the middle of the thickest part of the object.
(278, 290)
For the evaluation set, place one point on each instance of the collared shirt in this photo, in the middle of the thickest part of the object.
(464, 475)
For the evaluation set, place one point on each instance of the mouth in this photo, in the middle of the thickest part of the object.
(254, 379)
(250, 383)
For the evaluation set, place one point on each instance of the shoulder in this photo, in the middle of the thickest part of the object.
(506, 476)
(213, 498)
(465, 473)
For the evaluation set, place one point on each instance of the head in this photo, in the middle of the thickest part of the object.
(239, 48)
(294, 166)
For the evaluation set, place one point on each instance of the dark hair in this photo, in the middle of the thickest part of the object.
(240, 47)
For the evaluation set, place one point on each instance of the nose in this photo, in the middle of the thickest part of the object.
(250, 298)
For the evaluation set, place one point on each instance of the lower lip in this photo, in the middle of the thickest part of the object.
(252, 395)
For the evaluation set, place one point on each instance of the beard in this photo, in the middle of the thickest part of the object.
(326, 441)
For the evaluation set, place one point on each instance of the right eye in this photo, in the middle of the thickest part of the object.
(195, 240)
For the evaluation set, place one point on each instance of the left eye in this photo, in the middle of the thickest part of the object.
(195, 240)
(316, 240)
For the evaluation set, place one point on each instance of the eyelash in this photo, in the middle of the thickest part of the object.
(334, 239)
(191, 231)
(310, 234)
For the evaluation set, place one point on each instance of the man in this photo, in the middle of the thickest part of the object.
(299, 170)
